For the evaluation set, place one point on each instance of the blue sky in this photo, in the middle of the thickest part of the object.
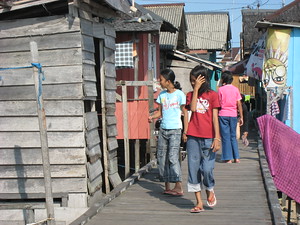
(234, 8)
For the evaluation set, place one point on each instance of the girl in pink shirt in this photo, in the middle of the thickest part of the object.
(230, 101)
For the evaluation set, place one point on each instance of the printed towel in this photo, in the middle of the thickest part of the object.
(282, 149)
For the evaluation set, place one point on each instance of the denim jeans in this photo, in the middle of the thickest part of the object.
(230, 148)
(168, 155)
(201, 163)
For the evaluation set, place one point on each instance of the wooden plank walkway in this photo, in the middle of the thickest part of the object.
(239, 190)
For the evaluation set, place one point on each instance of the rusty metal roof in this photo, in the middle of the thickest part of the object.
(173, 13)
(208, 30)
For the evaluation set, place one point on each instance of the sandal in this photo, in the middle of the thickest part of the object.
(196, 209)
(211, 203)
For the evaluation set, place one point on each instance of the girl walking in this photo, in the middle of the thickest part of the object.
(203, 137)
(171, 105)
(230, 100)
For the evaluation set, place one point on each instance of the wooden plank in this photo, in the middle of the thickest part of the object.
(110, 31)
(37, 185)
(92, 138)
(98, 30)
(110, 70)
(94, 153)
(31, 124)
(110, 83)
(32, 139)
(53, 75)
(85, 15)
(45, 42)
(91, 120)
(60, 57)
(125, 131)
(38, 26)
(110, 42)
(94, 170)
(50, 92)
(30, 156)
(88, 72)
(86, 27)
(33, 171)
(112, 143)
(88, 43)
(88, 57)
(90, 89)
(109, 55)
(95, 185)
(53, 108)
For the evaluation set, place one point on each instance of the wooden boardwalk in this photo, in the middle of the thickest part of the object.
(239, 190)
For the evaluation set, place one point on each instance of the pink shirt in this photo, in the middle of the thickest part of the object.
(228, 97)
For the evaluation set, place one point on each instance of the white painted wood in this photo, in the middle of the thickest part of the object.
(31, 124)
(38, 26)
(33, 171)
(53, 75)
(37, 185)
(53, 108)
(32, 139)
(31, 156)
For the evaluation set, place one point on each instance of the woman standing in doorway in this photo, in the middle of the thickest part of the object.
(171, 105)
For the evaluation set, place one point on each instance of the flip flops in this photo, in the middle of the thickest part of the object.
(196, 209)
(210, 203)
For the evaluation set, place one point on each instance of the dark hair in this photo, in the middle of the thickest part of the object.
(243, 98)
(169, 74)
(227, 77)
(201, 70)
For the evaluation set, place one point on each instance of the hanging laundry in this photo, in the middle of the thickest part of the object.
(124, 55)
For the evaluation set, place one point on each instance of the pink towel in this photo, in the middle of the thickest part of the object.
(282, 149)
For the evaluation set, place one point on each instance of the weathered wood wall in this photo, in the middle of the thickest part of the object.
(59, 43)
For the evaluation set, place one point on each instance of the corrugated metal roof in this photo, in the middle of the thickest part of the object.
(209, 30)
(172, 13)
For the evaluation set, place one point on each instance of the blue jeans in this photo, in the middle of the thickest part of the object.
(168, 155)
(230, 148)
(201, 163)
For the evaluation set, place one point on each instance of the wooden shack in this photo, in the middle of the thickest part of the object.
(76, 45)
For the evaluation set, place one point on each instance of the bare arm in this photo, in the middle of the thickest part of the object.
(240, 108)
(156, 115)
(216, 145)
(198, 82)
(185, 122)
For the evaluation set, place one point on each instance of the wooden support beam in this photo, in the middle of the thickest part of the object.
(43, 135)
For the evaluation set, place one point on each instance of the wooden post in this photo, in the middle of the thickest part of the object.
(298, 212)
(103, 118)
(125, 130)
(136, 95)
(43, 135)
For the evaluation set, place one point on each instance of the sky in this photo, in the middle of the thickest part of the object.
(234, 8)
